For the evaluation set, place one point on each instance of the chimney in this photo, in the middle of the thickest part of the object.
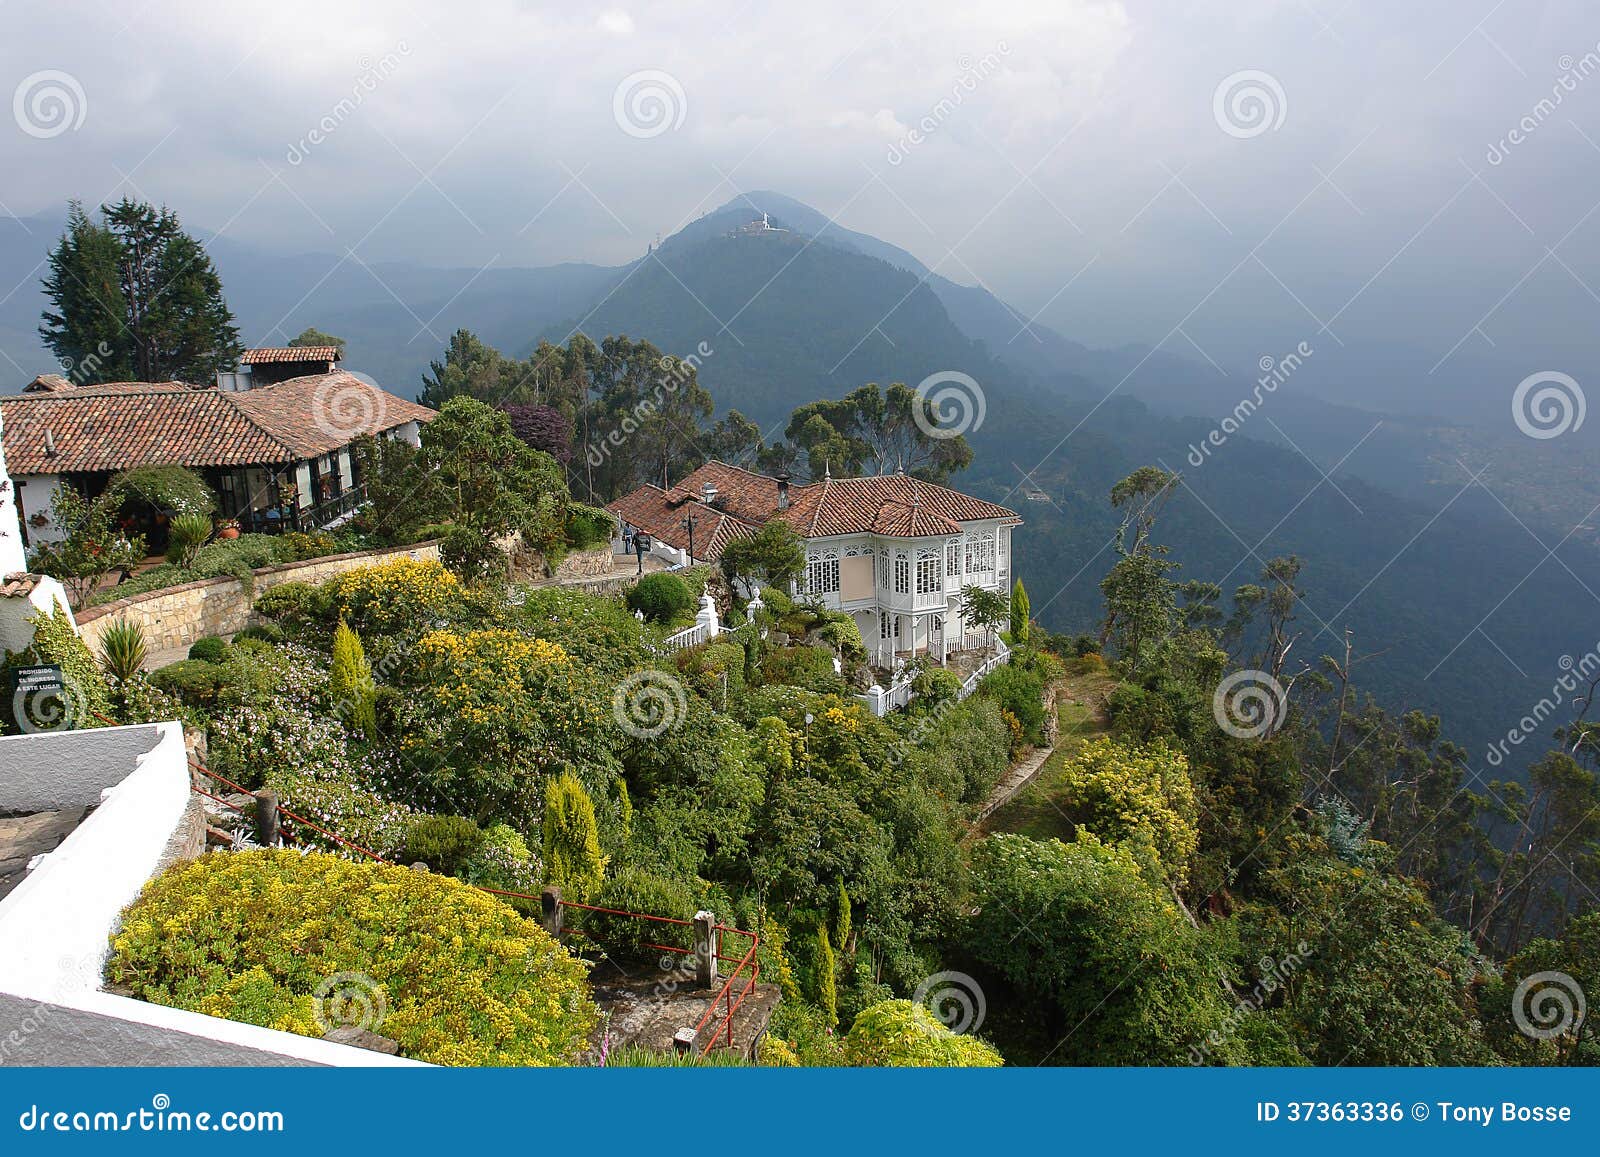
(783, 491)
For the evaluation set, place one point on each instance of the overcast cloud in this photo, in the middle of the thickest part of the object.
(1079, 165)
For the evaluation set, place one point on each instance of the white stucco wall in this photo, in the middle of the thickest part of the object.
(35, 494)
(48, 595)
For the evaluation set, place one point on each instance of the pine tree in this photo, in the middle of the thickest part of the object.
(355, 696)
(572, 854)
(841, 926)
(89, 333)
(136, 297)
(1020, 628)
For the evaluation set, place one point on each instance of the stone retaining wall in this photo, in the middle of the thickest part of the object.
(174, 617)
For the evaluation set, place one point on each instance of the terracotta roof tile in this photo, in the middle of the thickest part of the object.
(904, 507)
(120, 425)
(653, 511)
(302, 353)
(893, 505)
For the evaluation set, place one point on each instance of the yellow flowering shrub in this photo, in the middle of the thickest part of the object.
(488, 709)
(450, 972)
(900, 1034)
(1137, 794)
(395, 596)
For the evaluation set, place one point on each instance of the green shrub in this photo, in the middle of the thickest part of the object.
(840, 631)
(269, 633)
(572, 852)
(715, 670)
(169, 490)
(636, 890)
(302, 546)
(472, 556)
(897, 1033)
(209, 650)
(808, 667)
(450, 972)
(123, 650)
(589, 526)
(194, 681)
(444, 843)
(661, 596)
(186, 534)
(1020, 692)
(350, 684)
(285, 602)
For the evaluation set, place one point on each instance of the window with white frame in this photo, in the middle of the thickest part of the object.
(980, 555)
(883, 570)
(902, 573)
(888, 626)
(928, 578)
(822, 573)
(952, 560)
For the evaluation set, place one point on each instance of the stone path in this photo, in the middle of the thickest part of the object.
(1020, 775)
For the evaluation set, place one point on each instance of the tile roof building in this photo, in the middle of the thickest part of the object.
(892, 550)
(277, 454)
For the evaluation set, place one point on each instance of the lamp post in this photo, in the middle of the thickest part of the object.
(688, 524)
(642, 544)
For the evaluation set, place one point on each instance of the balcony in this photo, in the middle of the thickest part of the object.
(280, 519)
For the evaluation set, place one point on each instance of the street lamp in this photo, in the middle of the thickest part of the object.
(642, 544)
(688, 524)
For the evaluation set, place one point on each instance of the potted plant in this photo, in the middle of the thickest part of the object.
(228, 528)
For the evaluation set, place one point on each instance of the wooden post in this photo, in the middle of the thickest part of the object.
(705, 948)
(267, 833)
(550, 910)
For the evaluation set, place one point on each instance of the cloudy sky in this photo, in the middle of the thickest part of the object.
(1226, 178)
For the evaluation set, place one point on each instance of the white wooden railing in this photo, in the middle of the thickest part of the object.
(688, 637)
(900, 695)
